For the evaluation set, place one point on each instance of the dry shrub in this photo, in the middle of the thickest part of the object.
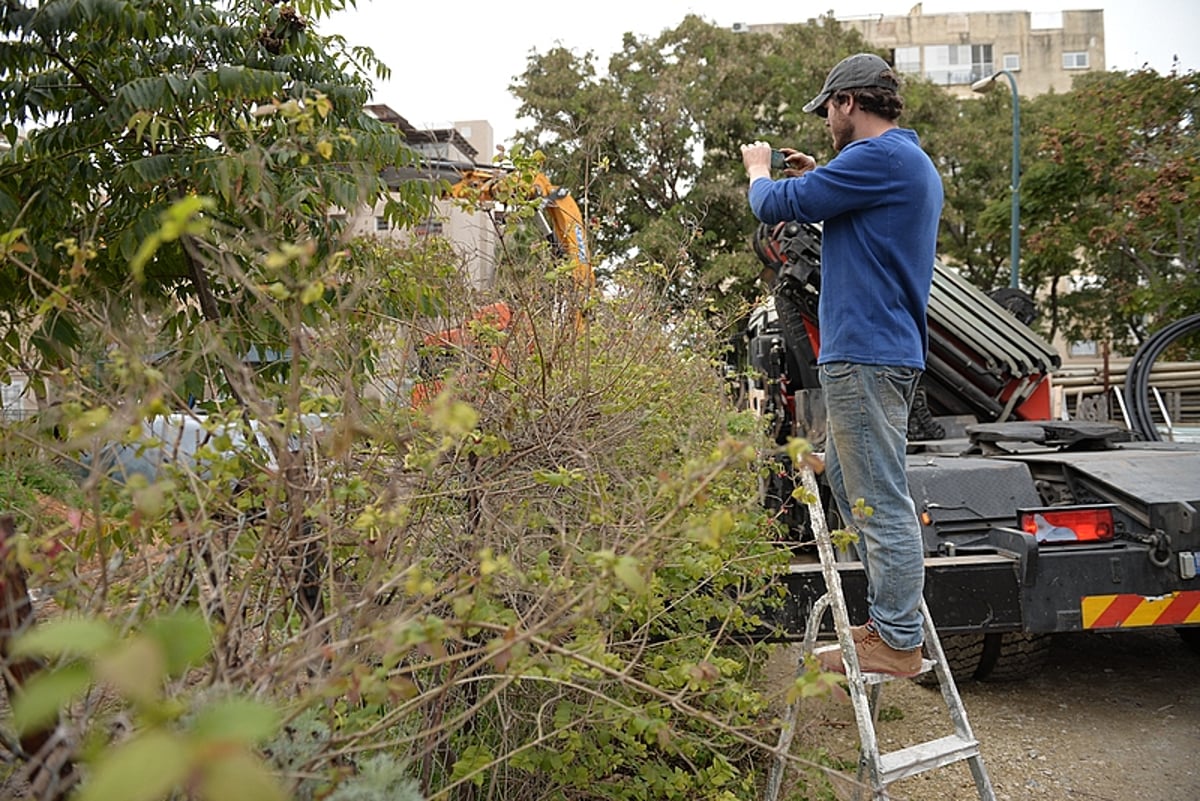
(542, 582)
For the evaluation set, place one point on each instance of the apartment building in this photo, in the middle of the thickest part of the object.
(473, 234)
(1043, 50)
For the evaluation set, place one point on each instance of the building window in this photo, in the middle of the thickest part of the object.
(427, 228)
(907, 60)
(11, 405)
(1075, 61)
(941, 61)
(381, 224)
(948, 65)
(1012, 62)
(1085, 348)
(981, 62)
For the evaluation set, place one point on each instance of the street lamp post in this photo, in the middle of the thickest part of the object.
(986, 85)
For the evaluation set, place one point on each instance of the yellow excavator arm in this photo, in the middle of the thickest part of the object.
(558, 215)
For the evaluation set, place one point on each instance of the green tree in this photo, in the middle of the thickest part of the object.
(653, 141)
(165, 146)
(969, 140)
(1111, 202)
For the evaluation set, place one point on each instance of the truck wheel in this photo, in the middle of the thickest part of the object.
(1012, 656)
(963, 652)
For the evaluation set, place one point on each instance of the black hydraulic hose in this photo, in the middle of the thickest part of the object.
(1137, 375)
(791, 307)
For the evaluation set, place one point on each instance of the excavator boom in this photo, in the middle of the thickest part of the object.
(557, 217)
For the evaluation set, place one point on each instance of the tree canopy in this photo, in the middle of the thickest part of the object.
(1107, 194)
(151, 142)
(1111, 204)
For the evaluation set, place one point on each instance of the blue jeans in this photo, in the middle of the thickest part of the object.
(867, 431)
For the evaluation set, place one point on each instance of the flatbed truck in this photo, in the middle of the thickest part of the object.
(1032, 526)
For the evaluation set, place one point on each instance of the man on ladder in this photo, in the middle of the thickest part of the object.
(880, 201)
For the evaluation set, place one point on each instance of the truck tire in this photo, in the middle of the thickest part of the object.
(1011, 656)
(963, 652)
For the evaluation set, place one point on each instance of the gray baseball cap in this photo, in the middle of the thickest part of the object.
(855, 72)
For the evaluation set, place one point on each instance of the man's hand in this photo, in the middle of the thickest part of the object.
(757, 158)
(797, 163)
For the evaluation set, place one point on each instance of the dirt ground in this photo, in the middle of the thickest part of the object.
(1111, 717)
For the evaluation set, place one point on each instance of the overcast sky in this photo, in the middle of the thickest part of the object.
(455, 61)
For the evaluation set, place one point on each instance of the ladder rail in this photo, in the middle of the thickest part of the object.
(863, 715)
(841, 622)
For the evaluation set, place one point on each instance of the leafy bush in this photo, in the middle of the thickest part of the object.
(543, 581)
(577, 555)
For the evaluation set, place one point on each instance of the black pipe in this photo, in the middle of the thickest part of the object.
(1137, 375)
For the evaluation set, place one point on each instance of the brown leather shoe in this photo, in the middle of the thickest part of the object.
(831, 658)
(874, 656)
(859, 633)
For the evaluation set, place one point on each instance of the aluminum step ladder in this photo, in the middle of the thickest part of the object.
(876, 770)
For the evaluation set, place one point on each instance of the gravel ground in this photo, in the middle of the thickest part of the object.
(1111, 717)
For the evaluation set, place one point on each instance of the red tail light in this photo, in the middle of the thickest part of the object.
(1068, 524)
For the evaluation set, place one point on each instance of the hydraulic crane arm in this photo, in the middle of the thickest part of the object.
(558, 216)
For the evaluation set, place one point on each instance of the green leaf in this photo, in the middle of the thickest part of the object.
(312, 293)
(152, 500)
(76, 636)
(240, 777)
(472, 764)
(185, 638)
(46, 693)
(627, 571)
(237, 719)
(146, 768)
(136, 669)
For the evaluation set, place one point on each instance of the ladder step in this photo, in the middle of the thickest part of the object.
(925, 756)
(871, 677)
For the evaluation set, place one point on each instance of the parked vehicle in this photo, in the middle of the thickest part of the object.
(1032, 526)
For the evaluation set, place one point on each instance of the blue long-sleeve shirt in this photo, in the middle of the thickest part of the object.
(879, 202)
